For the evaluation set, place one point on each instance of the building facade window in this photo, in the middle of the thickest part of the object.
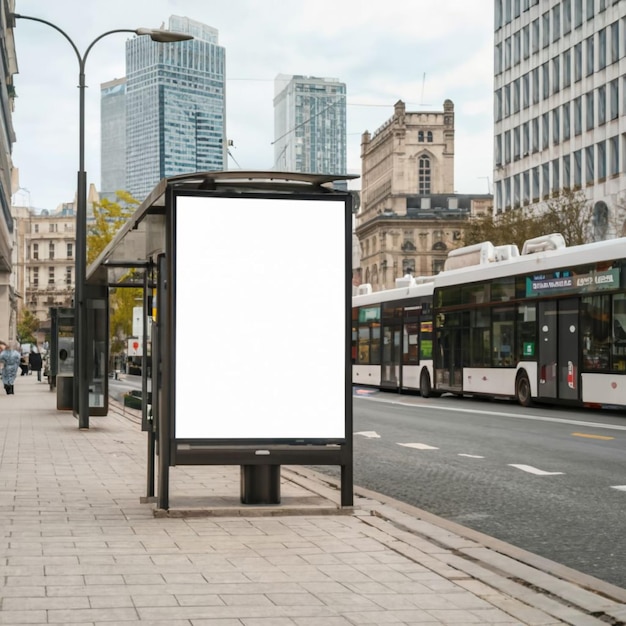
(578, 13)
(590, 55)
(567, 68)
(614, 99)
(556, 22)
(545, 131)
(614, 156)
(555, 176)
(545, 26)
(615, 42)
(589, 110)
(68, 276)
(35, 251)
(545, 72)
(51, 251)
(567, 16)
(578, 62)
(578, 115)
(602, 49)
(589, 166)
(566, 171)
(424, 174)
(601, 105)
(545, 179)
(50, 276)
(578, 169)
(566, 121)
(556, 126)
(601, 160)
(556, 75)
(70, 250)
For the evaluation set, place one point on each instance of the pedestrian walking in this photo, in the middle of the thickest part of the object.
(10, 361)
(35, 361)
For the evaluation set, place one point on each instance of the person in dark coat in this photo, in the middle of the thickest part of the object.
(35, 361)
(24, 365)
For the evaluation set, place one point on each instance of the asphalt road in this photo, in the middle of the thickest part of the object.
(547, 480)
(550, 481)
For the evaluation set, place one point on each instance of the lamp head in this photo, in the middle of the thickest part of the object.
(163, 36)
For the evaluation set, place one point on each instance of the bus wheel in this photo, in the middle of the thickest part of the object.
(425, 389)
(522, 390)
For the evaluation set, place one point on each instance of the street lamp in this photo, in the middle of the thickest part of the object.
(81, 358)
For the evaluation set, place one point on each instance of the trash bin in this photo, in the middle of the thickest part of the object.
(260, 484)
(65, 392)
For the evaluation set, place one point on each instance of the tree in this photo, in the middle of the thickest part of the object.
(27, 326)
(109, 217)
(567, 212)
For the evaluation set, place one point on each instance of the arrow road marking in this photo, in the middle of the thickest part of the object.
(533, 470)
(370, 434)
(418, 446)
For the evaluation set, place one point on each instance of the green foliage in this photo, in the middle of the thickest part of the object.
(123, 301)
(109, 217)
(27, 326)
(568, 213)
(132, 401)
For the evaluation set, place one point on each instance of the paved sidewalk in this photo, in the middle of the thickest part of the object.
(78, 546)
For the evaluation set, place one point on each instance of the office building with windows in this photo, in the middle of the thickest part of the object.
(560, 105)
(310, 125)
(175, 106)
(113, 138)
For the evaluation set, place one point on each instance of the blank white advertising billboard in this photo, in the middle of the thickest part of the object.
(260, 301)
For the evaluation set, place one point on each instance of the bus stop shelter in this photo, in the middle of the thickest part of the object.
(247, 279)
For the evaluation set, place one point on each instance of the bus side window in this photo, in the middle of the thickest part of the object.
(596, 333)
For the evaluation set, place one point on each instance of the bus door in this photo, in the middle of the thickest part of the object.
(449, 372)
(558, 350)
(392, 357)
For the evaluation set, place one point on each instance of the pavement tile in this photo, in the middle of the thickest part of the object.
(77, 546)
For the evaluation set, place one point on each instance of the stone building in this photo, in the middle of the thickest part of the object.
(410, 215)
(45, 256)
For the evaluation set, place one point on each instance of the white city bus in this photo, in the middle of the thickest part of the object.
(546, 325)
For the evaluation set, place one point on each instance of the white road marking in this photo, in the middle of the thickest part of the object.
(370, 434)
(471, 456)
(538, 418)
(620, 487)
(533, 470)
(418, 446)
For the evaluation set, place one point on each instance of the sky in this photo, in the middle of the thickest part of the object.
(419, 51)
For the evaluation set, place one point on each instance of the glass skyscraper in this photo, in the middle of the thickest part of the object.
(310, 125)
(113, 138)
(175, 106)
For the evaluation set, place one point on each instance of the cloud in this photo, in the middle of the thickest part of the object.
(414, 50)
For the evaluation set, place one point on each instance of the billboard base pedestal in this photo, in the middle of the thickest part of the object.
(260, 484)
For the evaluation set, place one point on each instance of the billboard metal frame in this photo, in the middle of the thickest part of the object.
(162, 257)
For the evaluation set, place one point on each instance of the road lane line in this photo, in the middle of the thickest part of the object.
(620, 487)
(533, 470)
(418, 446)
(471, 456)
(538, 418)
(588, 436)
